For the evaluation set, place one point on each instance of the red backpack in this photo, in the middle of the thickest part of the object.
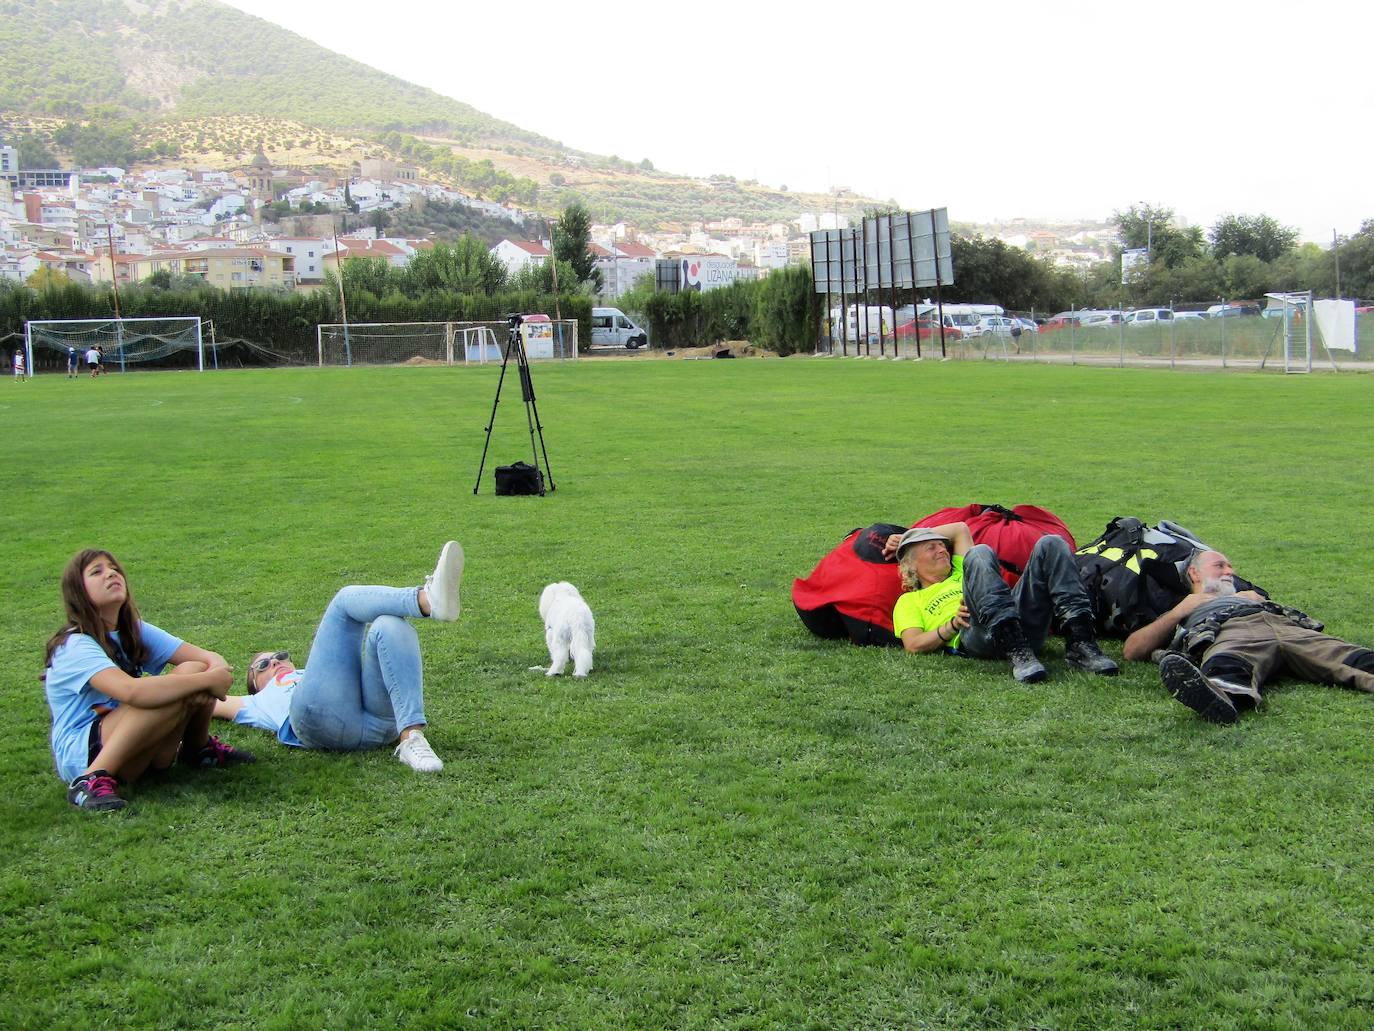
(1011, 532)
(852, 590)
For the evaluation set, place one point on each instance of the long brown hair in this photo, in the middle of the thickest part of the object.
(83, 618)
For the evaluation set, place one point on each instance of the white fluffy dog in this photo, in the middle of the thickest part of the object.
(568, 629)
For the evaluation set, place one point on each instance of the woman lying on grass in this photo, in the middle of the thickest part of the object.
(361, 688)
(115, 714)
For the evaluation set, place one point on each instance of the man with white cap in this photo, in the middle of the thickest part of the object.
(957, 601)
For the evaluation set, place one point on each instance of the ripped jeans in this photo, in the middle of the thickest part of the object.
(361, 685)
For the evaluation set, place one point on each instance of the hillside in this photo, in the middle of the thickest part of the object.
(197, 58)
(195, 82)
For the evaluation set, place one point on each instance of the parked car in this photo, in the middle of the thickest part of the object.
(1148, 317)
(1232, 311)
(1029, 325)
(1189, 316)
(924, 329)
(1064, 320)
(1100, 320)
(999, 325)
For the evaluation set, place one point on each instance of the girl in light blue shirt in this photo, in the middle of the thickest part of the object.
(115, 713)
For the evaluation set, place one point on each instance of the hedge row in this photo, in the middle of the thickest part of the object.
(257, 327)
(779, 312)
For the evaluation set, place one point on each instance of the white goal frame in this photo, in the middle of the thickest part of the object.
(464, 343)
(117, 336)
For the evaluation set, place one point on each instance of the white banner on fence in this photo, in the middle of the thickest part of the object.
(1336, 321)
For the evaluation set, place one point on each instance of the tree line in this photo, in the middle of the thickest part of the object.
(1240, 257)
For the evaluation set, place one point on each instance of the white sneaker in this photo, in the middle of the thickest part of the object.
(442, 584)
(415, 752)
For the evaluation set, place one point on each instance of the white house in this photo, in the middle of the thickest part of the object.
(516, 254)
(309, 254)
(622, 265)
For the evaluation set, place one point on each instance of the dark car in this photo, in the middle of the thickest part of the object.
(1231, 311)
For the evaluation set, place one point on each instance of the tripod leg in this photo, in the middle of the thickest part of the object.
(492, 422)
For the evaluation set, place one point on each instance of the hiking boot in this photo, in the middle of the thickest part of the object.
(1082, 651)
(1011, 640)
(215, 754)
(1088, 656)
(95, 791)
(415, 752)
(1186, 682)
(442, 584)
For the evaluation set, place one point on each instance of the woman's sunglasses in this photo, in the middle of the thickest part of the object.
(259, 664)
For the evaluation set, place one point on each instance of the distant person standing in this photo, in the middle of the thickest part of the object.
(18, 366)
(99, 360)
(71, 362)
(93, 360)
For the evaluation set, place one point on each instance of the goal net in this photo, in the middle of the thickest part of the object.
(440, 343)
(167, 342)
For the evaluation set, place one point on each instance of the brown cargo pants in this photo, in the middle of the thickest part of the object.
(1270, 645)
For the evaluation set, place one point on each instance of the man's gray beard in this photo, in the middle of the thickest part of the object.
(1220, 587)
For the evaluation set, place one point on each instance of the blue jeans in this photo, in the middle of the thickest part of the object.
(1050, 587)
(361, 685)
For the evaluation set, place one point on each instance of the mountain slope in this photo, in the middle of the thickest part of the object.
(193, 58)
(199, 82)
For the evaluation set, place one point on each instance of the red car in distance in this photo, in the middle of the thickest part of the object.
(924, 329)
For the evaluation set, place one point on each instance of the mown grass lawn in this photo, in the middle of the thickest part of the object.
(731, 823)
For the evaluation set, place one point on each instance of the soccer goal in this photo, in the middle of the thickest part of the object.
(440, 343)
(164, 342)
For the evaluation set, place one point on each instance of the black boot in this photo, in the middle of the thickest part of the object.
(1011, 640)
(1081, 649)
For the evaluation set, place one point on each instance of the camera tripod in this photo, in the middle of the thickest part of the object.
(515, 346)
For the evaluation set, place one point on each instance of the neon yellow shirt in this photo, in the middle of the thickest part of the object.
(932, 606)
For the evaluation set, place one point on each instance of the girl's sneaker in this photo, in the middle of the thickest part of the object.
(442, 584)
(96, 792)
(415, 752)
(216, 754)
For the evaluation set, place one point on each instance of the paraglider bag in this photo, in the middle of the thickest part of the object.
(520, 478)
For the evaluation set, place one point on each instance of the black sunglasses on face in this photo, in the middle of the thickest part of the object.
(258, 665)
(262, 663)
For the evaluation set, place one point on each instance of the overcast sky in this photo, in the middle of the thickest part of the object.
(994, 110)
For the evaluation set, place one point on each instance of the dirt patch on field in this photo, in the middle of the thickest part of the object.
(417, 360)
(730, 348)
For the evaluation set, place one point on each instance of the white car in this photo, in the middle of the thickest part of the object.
(1148, 317)
(1100, 320)
(1189, 316)
(998, 325)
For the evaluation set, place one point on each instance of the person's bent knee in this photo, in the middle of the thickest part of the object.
(386, 629)
(1051, 544)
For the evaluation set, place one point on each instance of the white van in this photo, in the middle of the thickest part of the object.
(611, 327)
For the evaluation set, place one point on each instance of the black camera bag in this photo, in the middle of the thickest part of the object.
(520, 478)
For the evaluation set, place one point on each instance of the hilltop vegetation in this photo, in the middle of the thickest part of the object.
(198, 58)
(194, 82)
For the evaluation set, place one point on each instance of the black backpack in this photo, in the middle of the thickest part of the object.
(1134, 573)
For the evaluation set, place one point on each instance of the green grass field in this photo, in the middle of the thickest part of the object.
(731, 823)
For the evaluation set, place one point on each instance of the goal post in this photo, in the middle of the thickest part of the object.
(159, 341)
(439, 343)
